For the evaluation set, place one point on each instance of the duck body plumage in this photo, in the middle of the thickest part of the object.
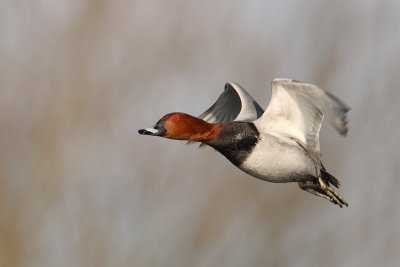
(280, 144)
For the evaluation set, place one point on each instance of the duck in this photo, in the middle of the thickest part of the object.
(278, 145)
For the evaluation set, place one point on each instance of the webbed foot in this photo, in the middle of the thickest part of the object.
(322, 189)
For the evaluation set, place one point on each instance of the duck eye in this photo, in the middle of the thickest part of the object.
(174, 118)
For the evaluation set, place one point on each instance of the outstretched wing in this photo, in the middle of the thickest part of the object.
(234, 104)
(296, 111)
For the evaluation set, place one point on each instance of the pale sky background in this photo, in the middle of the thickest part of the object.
(80, 187)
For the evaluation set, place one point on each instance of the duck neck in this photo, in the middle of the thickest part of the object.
(198, 130)
(207, 133)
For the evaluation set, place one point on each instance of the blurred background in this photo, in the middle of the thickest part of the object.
(80, 187)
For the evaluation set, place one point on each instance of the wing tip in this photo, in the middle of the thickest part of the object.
(343, 131)
(346, 108)
(338, 118)
(341, 124)
(341, 110)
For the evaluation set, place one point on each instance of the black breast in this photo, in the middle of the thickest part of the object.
(236, 141)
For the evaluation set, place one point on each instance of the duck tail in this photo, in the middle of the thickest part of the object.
(327, 177)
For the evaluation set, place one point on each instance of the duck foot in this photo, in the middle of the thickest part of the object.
(322, 189)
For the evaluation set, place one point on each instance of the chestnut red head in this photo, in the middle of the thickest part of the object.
(181, 126)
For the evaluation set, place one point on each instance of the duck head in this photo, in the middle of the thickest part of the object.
(181, 126)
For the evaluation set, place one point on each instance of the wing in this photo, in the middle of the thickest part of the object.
(234, 104)
(296, 111)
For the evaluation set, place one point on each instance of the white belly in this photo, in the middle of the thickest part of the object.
(279, 162)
